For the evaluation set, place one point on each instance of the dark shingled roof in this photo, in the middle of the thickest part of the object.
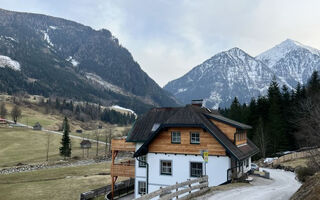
(229, 121)
(147, 127)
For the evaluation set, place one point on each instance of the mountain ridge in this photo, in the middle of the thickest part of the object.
(235, 73)
(58, 57)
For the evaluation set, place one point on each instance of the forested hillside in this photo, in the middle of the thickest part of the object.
(281, 119)
(49, 56)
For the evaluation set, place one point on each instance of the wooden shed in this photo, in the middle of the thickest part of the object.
(37, 126)
(85, 144)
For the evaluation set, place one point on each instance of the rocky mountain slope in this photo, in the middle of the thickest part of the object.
(234, 73)
(55, 57)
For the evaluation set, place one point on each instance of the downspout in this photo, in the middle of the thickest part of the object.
(147, 165)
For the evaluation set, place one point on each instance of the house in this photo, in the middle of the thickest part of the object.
(3, 122)
(37, 126)
(79, 131)
(167, 143)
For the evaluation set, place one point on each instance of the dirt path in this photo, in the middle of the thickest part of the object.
(282, 186)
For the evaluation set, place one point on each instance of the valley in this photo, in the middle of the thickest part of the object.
(23, 154)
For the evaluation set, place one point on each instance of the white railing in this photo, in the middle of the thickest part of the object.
(188, 189)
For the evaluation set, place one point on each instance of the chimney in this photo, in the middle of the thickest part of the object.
(197, 102)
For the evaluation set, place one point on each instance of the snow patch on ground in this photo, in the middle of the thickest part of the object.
(73, 61)
(181, 90)
(214, 98)
(124, 109)
(53, 27)
(47, 38)
(10, 38)
(6, 61)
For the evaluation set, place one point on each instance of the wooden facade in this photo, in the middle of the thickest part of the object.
(162, 143)
(241, 138)
(228, 130)
(124, 169)
(231, 132)
(120, 144)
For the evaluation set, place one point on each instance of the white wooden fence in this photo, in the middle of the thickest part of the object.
(188, 189)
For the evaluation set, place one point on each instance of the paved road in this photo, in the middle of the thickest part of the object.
(282, 187)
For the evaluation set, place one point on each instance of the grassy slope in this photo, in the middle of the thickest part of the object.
(28, 146)
(62, 183)
(310, 190)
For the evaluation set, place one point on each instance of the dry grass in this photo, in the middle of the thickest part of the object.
(31, 113)
(301, 162)
(61, 183)
(28, 146)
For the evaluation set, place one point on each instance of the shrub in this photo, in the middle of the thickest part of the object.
(303, 173)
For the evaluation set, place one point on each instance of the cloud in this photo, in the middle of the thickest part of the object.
(168, 38)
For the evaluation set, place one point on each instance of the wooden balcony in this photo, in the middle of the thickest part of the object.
(120, 144)
(125, 169)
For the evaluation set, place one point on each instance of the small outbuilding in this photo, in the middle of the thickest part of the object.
(85, 144)
(78, 131)
(37, 126)
(3, 121)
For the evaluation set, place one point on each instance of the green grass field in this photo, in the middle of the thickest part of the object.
(60, 183)
(21, 145)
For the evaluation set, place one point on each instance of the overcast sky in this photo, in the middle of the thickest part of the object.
(170, 37)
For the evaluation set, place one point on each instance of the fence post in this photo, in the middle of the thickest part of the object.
(177, 197)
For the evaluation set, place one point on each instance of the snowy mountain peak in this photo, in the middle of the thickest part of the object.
(234, 73)
(273, 55)
(235, 52)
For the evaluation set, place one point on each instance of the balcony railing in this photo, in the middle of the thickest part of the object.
(125, 169)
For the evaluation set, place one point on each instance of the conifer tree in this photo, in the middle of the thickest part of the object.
(314, 84)
(65, 149)
(235, 110)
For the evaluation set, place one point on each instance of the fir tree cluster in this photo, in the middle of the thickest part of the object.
(274, 117)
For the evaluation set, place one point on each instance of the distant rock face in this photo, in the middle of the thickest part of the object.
(292, 61)
(56, 57)
(234, 73)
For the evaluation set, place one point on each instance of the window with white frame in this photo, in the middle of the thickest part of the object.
(142, 187)
(247, 162)
(195, 138)
(175, 137)
(142, 161)
(166, 167)
(195, 169)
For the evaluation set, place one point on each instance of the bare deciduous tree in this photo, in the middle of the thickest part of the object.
(3, 110)
(308, 134)
(15, 113)
(97, 137)
(261, 138)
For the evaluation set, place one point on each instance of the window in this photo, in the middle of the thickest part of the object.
(142, 187)
(144, 159)
(175, 137)
(166, 167)
(195, 138)
(195, 169)
(247, 162)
